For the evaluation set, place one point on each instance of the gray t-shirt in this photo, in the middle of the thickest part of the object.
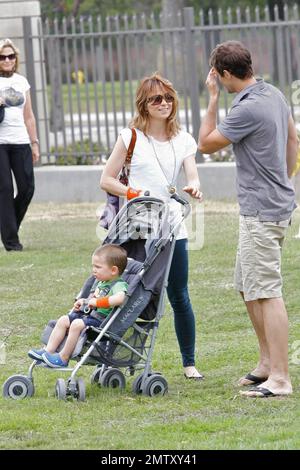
(257, 126)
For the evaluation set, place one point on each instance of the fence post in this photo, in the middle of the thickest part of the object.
(30, 66)
(191, 60)
(34, 64)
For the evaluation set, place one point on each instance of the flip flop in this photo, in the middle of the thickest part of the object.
(264, 393)
(254, 380)
(194, 377)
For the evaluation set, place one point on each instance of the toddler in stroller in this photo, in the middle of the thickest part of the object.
(126, 337)
(109, 262)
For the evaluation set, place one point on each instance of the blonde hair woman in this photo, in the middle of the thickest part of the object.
(161, 150)
(19, 146)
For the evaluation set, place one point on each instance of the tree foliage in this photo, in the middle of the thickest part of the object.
(104, 8)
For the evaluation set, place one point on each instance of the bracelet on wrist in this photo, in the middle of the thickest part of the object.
(36, 141)
(132, 193)
(103, 302)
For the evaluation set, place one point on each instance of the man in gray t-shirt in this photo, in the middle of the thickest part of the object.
(263, 135)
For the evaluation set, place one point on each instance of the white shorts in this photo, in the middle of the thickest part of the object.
(258, 260)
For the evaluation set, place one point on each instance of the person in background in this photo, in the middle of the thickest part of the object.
(19, 146)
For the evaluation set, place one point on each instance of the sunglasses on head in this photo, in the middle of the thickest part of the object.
(9, 56)
(157, 99)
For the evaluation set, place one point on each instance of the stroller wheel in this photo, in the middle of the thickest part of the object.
(95, 377)
(113, 378)
(80, 389)
(60, 389)
(155, 385)
(18, 387)
(136, 384)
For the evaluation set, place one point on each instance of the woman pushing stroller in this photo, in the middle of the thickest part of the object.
(109, 262)
(160, 151)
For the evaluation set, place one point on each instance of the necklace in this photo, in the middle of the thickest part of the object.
(171, 188)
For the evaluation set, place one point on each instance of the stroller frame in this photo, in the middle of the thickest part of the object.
(148, 382)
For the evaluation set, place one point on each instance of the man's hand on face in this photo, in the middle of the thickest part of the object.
(213, 84)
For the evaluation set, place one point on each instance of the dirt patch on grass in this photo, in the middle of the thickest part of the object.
(52, 211)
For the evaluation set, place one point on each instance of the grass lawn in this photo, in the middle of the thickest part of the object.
(115, 96)
(83, 96)
(40, 284)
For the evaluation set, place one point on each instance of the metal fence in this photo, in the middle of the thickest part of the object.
(91, 69)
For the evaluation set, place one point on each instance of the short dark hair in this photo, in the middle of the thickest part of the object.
(114, 255)
(234, 57)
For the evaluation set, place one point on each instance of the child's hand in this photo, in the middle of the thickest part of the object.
(92, 302)
(78, 304)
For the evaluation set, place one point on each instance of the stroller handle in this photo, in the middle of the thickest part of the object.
(184, 202)
(179, 199)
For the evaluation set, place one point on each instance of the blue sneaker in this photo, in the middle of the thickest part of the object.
(54, 360)
(36, 354)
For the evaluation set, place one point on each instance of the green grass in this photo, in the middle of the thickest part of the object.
(40, 284)
(83, 97)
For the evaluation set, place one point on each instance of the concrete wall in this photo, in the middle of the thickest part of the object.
(81, 183)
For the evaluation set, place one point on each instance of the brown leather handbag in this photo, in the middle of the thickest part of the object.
(113, 202)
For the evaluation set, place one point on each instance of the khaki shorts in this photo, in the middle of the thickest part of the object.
(258, 260)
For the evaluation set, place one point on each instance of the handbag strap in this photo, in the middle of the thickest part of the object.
(130, 148)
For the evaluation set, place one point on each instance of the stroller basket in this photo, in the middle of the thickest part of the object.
(122, 352)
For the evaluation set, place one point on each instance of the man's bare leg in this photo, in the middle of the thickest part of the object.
(276, 333)
(263, 367)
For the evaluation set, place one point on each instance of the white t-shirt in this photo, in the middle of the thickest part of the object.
(146, 173)
(13, 90)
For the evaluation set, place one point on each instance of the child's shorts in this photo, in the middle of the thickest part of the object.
(87, 319)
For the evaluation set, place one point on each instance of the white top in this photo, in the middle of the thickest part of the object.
(13, 90)
(146, 173)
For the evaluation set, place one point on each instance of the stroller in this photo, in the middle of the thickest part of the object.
(126, 338)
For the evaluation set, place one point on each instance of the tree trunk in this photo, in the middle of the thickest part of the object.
(76, 7)
(170, 8)
(172, 43)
